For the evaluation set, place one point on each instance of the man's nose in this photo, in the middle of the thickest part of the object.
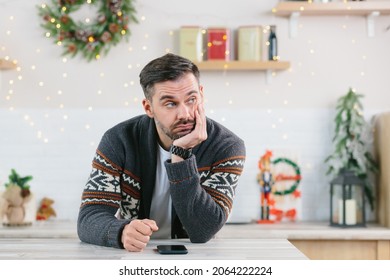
(183, 112)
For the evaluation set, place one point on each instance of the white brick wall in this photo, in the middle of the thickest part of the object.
(61, 166)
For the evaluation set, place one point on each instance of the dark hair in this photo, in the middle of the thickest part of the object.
(168, 67)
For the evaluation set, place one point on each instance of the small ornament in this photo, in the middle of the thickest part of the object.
(45, 210)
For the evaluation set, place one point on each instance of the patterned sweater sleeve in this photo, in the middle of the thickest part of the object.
(101, 197)
(203, 200)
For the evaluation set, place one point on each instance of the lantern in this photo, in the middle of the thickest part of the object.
(347, 207)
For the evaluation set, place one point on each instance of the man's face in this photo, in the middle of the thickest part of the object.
(173, 107)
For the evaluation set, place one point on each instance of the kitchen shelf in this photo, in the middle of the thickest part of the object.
(218, 65)
(362, 8)
(370, 10)
(234, 65)
(6, 64)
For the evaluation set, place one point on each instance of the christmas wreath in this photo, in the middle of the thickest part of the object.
(93, 39)
(296, 177)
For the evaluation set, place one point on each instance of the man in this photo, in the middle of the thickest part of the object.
(170, 173)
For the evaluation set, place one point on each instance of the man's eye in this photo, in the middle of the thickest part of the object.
(170, 104)
(192, 100)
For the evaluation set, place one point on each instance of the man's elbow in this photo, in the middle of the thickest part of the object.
(200, 239)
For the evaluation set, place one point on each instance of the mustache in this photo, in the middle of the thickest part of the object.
(180, 122)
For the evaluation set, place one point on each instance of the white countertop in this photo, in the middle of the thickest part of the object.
(41, 229)
(304, 231)
(287, 230)
(217, 249)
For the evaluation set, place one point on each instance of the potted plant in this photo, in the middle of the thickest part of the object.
(351, 150)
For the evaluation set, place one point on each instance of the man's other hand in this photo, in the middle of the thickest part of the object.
(136, 234)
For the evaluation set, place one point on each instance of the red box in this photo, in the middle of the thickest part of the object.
(218, 44)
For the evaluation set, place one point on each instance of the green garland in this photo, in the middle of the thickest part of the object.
(90, 40)
(297, 173)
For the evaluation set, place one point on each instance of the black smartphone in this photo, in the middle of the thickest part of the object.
(172, 249)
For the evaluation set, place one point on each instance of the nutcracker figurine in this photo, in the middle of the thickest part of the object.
(266, 181)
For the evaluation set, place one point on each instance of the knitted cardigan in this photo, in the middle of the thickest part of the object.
(123, 176)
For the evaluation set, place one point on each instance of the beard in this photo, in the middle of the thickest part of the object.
(169, 131)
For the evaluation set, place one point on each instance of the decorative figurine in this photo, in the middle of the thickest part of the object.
(45, 210)
(16, 195)
(265, 179)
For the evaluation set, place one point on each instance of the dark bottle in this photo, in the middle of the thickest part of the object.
(273, 44)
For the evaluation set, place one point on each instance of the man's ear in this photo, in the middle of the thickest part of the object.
(201, 92)
(146, 103)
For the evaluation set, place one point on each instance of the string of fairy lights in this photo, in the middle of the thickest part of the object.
(8, 87)
(8, 91)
